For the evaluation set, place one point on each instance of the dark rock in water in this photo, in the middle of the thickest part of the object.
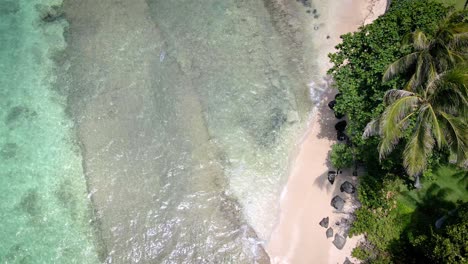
(355, 173)
(324, 222)
(347, 187)
(339, 241)
(341, 136)
(8, 150)
(347, 261)
(329, 232)
(332, 104)
(331, 176)
(341, 126)
(337, 202)
(19, 112)
(268, 133)
(9, 7)
(30, 203)
(306, 3)
(50, 13)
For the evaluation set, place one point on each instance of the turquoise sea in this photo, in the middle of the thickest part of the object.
(154, 131)
(45, 211)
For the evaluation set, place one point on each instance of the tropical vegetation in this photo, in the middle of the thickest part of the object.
(403, 84)
(432, 105)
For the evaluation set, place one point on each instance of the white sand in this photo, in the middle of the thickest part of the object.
(298, 238)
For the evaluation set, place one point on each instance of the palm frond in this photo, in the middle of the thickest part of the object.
(418, 149)
(393, 95)
(430, 117)
(448, 91)
(400, 65)
(420, 41)
(459, 41)
(456, 135)
(372, 128)
(459, 28)
(421, 70)
(394, 120)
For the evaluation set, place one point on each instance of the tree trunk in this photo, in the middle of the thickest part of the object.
(417, 183)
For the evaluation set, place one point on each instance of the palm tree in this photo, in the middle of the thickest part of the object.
(427, 117)
(434, 55)
(432, 108)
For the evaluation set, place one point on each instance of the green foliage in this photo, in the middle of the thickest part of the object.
(451, 243)
(398, 221)
(361, 252)
(363, 57)
(383, 229)
(341, 156)
(373, 189)
(430, 109)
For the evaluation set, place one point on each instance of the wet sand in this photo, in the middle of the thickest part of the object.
(298, 237)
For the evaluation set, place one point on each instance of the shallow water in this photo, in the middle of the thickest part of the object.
(44, 209)
(184, 112)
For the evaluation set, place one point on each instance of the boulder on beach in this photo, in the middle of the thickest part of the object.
(331, 176)
(347, 261)
(347, 187)
(329, 232)
(341, 136)
(337, 202)
(341, 126)
(324, 222)
(339, 241)
(332, 104)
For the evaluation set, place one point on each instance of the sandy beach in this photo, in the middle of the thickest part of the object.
(298, 237)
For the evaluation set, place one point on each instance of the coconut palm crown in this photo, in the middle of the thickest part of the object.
(432, 108)
(432, 55)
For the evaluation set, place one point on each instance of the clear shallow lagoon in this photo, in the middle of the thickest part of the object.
(44, 208)
(183, 113)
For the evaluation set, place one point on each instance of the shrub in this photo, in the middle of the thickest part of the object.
(341, 156)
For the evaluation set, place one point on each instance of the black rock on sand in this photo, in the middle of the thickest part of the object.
(324, 222)
(347, 187)
(337, 202)
(339, 241)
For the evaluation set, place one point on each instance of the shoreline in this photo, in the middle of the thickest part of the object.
(305, 200)
(98, 104)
